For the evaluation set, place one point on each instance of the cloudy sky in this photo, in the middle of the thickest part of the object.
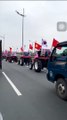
(40, 22)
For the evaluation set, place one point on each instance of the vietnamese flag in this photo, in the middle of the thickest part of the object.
(55, 42)
(37, 46)
(30, 46)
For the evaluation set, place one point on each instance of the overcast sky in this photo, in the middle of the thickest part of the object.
(40, 22)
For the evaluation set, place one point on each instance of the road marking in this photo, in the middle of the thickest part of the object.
(1, 117)
(13, 86)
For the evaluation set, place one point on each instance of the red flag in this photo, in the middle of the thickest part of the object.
(10, 49)
(37, 46)
(21, 48)
(55, 42)
(30, 46)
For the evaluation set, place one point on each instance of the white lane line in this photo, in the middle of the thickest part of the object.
(13, 86)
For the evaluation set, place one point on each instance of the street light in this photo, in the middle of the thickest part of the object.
(22, 15)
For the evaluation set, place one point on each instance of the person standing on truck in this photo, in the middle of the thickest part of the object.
(39, 53)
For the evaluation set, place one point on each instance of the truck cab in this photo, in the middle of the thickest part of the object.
(57, 69)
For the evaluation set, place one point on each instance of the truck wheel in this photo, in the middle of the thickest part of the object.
(10, 60)
(61, 88)
(18, 62)
(21, 62)
(37, 65)
(6, 59)
(30, 65)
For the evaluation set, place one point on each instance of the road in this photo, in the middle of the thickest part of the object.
(37, 99)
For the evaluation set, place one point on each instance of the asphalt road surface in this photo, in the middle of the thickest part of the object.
(27, 95)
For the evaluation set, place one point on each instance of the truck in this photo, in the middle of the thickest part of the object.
(11, 57)
(57, 69)
(24, 58)
(40, 60)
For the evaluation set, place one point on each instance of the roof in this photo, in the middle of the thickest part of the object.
(62, 44)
